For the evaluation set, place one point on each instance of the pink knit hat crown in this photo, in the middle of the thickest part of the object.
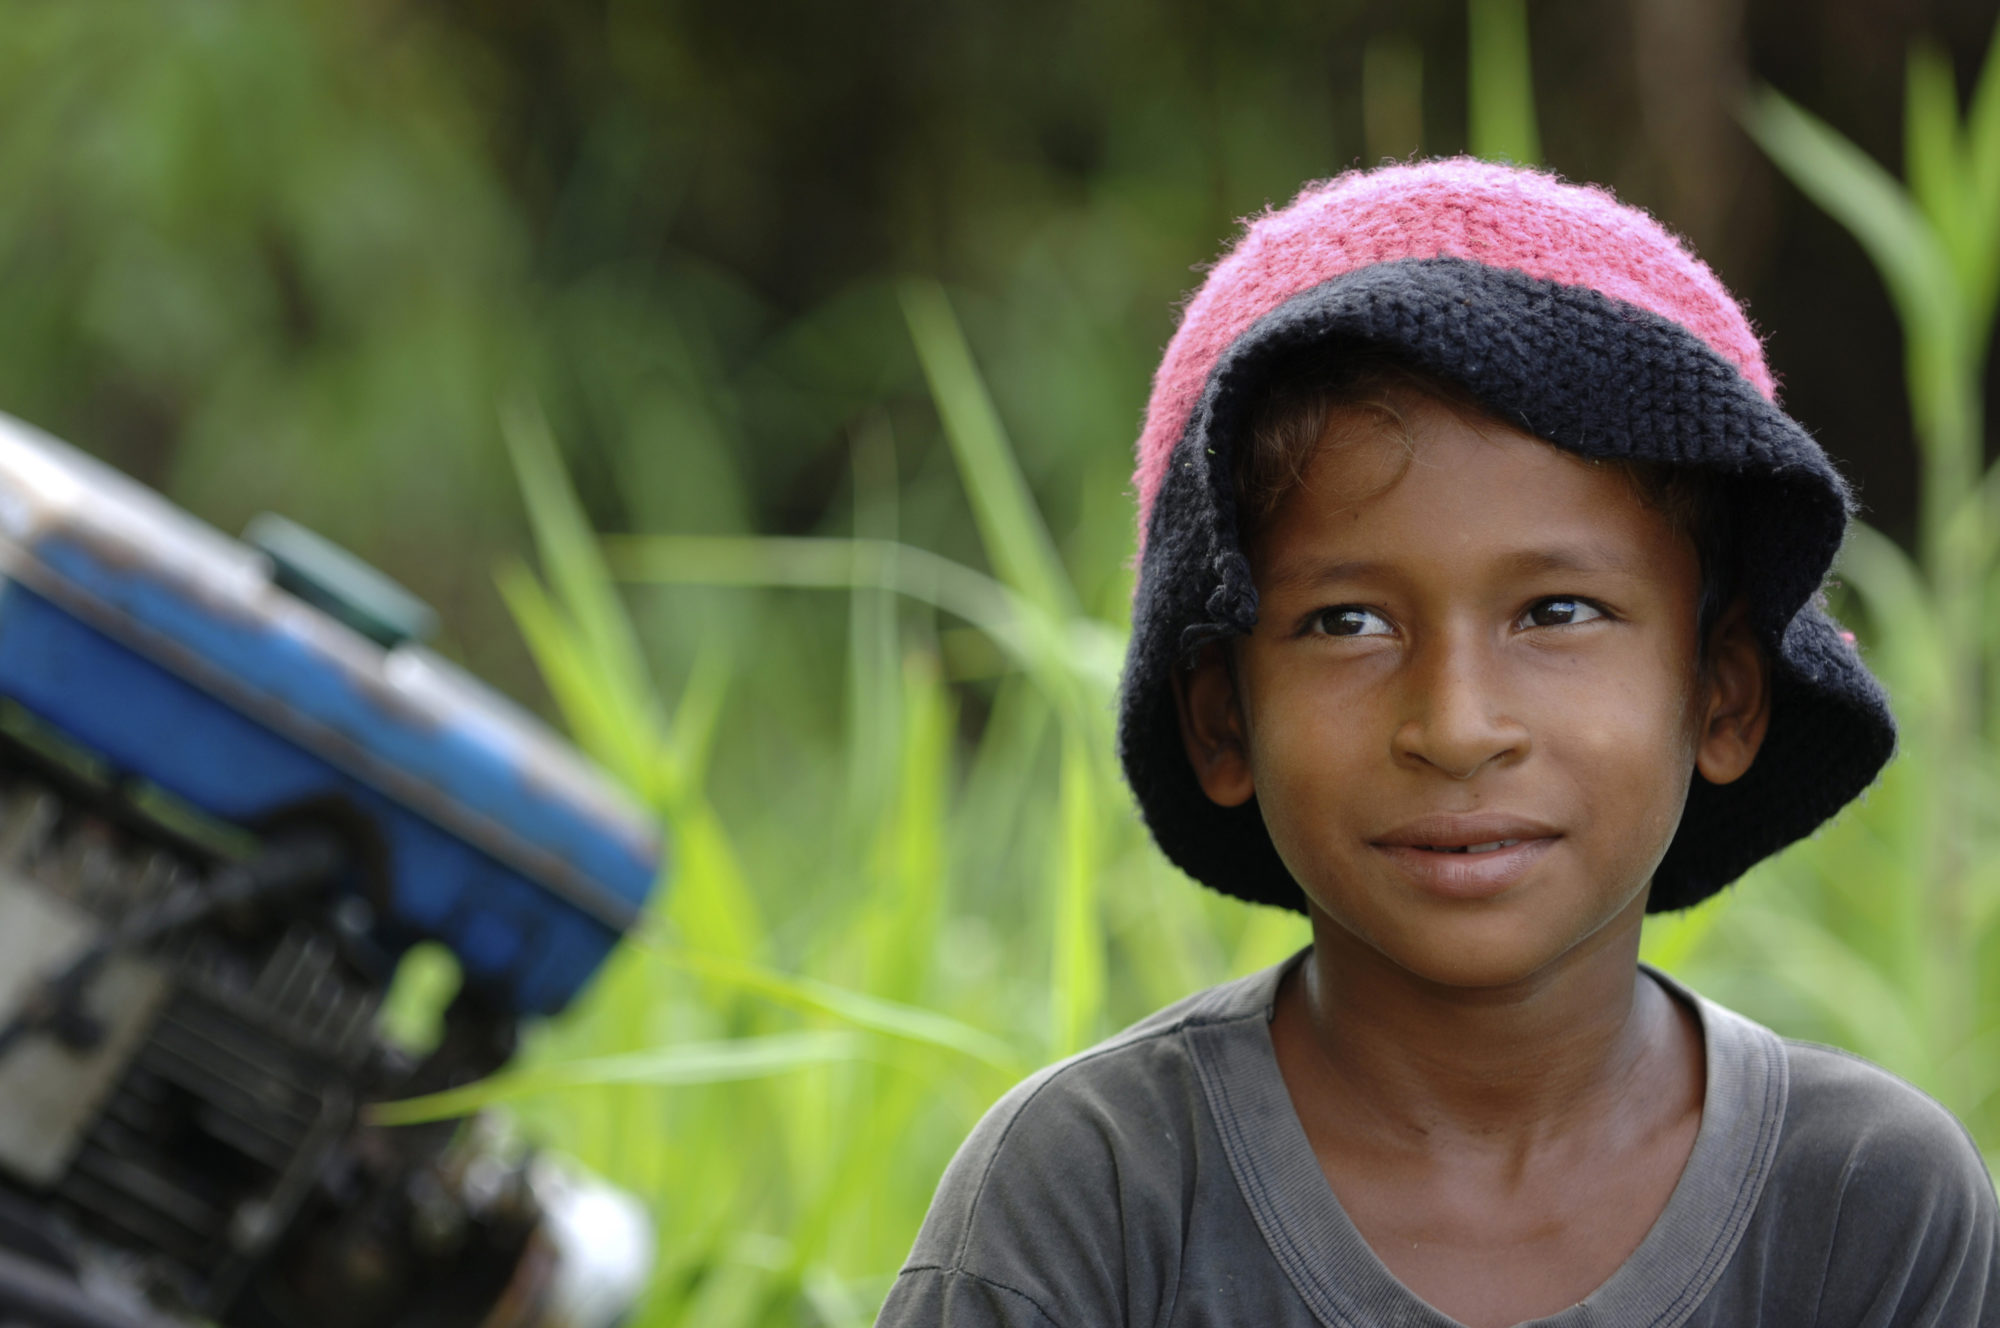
(1499, 216)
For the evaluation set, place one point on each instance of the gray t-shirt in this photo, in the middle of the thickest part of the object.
(1163, 1179)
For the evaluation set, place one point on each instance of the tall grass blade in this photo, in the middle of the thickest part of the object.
(1500, 91)
(1981, 195)
(568, 548)
(1058, 652)
(697, 715)
(1079, 978)
(709, 901)
(876, 1015)
(1905, 643)
(812, 563)
(1009, 523)
(1847, 184)
(1932, 156)
(679, 1066)
(591, 710)
(912, 883)
(589, 656)
(873, 626)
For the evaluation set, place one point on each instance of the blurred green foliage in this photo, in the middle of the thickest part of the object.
(857, 636)
(976, 907)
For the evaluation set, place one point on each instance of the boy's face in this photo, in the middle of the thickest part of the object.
(1480, 641)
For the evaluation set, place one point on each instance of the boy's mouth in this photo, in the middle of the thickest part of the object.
(1467, 855)
(1466, 833)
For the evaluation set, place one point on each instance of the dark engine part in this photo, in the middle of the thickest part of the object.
(183, 1123)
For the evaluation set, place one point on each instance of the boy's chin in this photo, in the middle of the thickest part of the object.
(1486, 949)
(1485, 967)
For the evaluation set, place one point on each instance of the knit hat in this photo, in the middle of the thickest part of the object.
(1576, 319)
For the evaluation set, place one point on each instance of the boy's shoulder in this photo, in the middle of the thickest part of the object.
(1877, 1197)
(1868, 1133)
(1844, 1130)
(1070, 1201)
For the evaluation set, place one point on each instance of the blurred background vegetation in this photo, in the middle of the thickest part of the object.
(752, 389)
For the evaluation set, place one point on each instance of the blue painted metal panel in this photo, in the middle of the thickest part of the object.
(157, 643)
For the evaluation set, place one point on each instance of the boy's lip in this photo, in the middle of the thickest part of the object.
(1464, 829)
(1417, 850)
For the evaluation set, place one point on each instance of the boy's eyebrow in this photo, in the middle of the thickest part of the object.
(1578, 558)
(1310, 571)
(1571, 558)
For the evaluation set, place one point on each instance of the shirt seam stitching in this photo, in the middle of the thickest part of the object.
(1833, 1237)
(1730, 1234)
(960, 1270)
(1251, 1180)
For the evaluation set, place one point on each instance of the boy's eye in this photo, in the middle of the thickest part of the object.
(1559, 612)
(1351, 620)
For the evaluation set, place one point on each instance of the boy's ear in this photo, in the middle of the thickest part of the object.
(1212, 727)
(1738, 702)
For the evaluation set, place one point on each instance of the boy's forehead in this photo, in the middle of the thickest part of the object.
(1427, 482)
(1410, 450)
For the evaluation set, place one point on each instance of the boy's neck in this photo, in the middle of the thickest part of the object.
(1506, 1067)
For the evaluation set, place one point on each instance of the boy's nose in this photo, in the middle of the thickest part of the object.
(1455, 715)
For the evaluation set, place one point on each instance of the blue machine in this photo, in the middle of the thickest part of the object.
(217, 672)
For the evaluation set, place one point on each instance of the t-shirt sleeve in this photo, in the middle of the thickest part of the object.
(1916, 1231)
(1058, 1211)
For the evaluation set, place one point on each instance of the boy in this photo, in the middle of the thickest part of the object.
(1477, 616)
